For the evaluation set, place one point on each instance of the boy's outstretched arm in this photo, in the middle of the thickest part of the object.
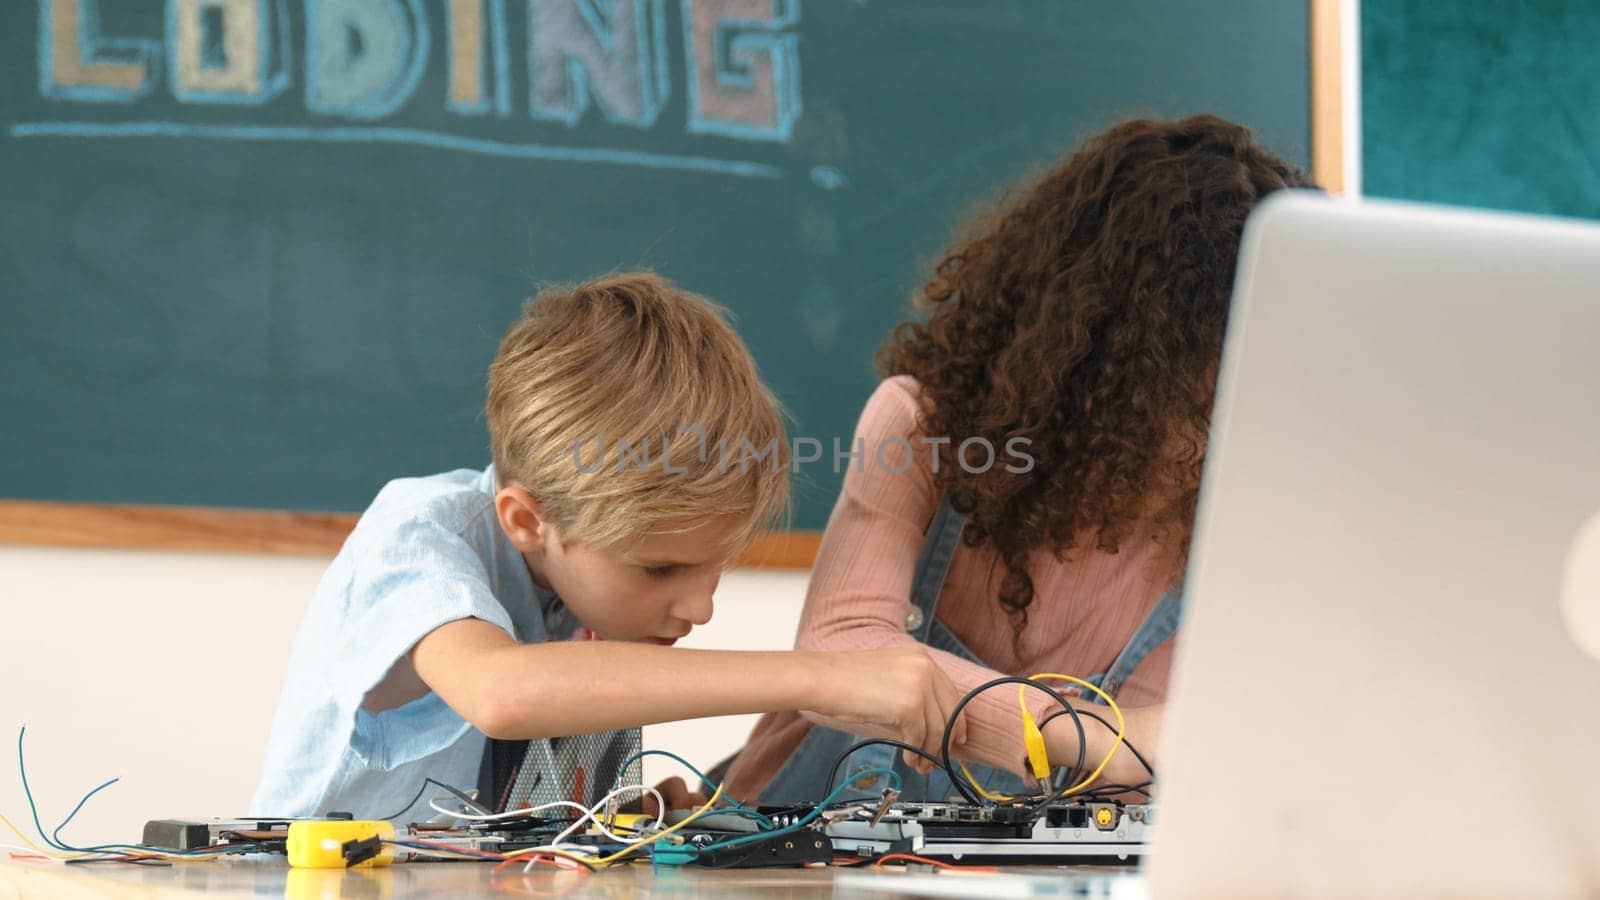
(512, 690)
(1143, 732)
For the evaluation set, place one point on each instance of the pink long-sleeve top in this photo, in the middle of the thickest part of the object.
(1085, 608)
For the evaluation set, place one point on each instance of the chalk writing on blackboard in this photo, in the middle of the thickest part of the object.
(361, 62)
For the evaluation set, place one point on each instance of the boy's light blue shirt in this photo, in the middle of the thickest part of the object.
(427, 552)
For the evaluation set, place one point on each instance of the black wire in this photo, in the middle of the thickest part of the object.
(1105, 791)
(1125, 742)
(833, 774)
(420, 791)
(421, 846)
(949, 725)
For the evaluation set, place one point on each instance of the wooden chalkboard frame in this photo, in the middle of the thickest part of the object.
(209, 529)
(206, 529)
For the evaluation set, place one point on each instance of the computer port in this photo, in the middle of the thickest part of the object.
(1105, 818)
(1067, 817)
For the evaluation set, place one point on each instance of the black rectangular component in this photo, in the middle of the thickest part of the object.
(780, 851)
(177, 834)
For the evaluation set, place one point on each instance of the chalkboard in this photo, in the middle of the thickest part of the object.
(1483, 104)
(258, 253)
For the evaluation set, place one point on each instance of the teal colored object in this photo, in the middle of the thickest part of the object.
(664, 854)
(1483, 104)
(275, 279)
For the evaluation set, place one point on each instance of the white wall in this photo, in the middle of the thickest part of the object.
(164, 669)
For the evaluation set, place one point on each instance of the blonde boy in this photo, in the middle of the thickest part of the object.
(636, 453)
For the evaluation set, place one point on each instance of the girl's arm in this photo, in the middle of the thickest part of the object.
(860, 588)
(519, 691)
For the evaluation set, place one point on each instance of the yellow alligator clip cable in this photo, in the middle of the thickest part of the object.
(1033, 740)
(1116, 711)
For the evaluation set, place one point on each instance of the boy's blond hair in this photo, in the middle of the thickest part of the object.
(632, 358)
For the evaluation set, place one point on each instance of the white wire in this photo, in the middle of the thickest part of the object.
(418, 850)
(35, 853)
(589, 815)
(56, 856)
(585, 850)
(508, 814)
(586, 813)
(580, 850)
(530, 810)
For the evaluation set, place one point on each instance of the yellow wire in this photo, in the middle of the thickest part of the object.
(1122, 725)
(973, 780)
(608, 860)
(553, 852)
(36, 848)
(1022, 693)
(51, 854)
(604, 861)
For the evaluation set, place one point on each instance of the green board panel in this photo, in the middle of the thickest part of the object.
(1483, 104)
(258, 253)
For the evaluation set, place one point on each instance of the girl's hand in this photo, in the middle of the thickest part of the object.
(896, 692)
(677, 796)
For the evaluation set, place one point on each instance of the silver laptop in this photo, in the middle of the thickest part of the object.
(1389, 673)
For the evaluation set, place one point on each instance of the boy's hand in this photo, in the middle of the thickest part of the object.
(1143, 731)
(677, 796)
(896, 692)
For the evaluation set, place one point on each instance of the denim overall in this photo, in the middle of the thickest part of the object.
(803, 778)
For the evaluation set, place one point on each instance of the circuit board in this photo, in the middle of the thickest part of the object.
(1061, 832)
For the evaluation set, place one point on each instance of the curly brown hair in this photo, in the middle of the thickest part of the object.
(1086, 315)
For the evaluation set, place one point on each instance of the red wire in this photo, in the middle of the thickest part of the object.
(467, 851)
(932, 862)
(559, 862)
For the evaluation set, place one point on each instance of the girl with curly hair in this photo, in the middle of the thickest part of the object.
(1077, 331)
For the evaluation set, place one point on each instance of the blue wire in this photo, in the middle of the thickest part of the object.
(70, 816)
(22, 766)
(461, 851)
(746, 813)
(28, 792)
(737, 806)
(807, 819)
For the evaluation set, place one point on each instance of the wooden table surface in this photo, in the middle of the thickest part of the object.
(271, 877)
